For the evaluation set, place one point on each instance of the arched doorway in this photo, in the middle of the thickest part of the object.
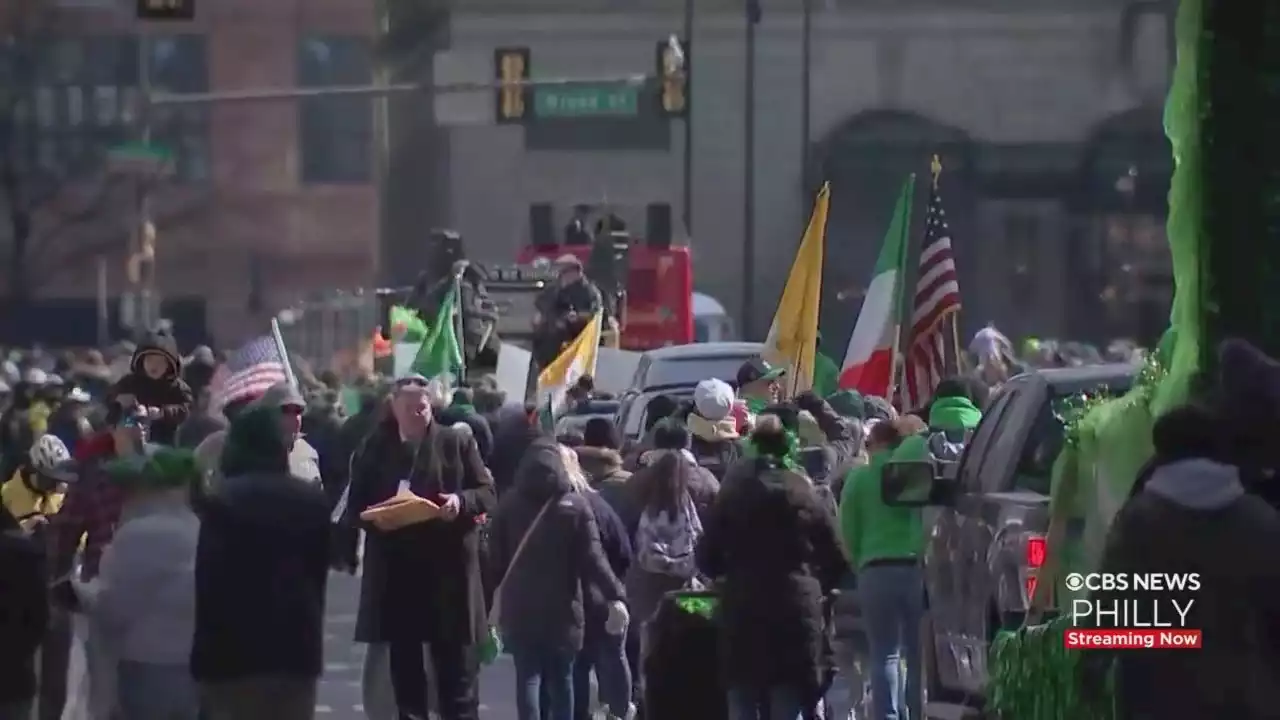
(866, 159)
(1119, 255)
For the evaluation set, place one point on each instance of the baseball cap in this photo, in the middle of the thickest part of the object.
(713, 399)
(281, 395)
(757, 368)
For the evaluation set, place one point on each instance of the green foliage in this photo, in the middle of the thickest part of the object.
(1034, 677)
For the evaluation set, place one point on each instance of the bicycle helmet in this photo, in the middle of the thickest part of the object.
(49, 455)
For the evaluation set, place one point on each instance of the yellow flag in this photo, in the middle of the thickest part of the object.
(576, 360)
(793, 337)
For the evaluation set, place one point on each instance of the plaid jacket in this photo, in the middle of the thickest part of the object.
(90, 512)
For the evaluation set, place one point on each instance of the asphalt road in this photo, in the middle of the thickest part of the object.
(341, 695)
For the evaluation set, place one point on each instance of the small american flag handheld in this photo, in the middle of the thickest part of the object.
(249, 372)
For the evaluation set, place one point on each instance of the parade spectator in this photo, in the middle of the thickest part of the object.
(204, 420)
(759, 384)
(1194, 516)
(462, 409)
(602, 652)
(261, 570)
(660, 408)
(952, 415)
(145, 595)
(601, 461)
(546, 547)
(582, 390)
(884, 544)
(422, 584)
(774, 553)
(198, 369)
(288, 406)
(715, 437)
(16, 433)
(70, 419)
(154, 384)
(518, 428)
(24, 615)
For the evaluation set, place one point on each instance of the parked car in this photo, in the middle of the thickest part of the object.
(577, 416)
(676, 371)
(987, 543)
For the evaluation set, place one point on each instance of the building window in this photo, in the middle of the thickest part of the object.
(85, 99)
(336, 133)
(178, 64)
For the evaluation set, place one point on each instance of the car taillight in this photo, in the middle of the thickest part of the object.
(1031, 587)
(1036, 551)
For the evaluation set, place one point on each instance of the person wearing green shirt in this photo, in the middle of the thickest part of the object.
(952, 413)
(884, 544)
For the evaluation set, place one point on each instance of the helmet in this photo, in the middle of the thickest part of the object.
(36, 376)
(48, 454)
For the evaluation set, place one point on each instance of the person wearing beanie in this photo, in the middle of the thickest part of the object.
(1194, 515)
(713, 427)
(773, 587)
(660, 407)
(848, 404)
(260, 576)
(601, 461)
(144, 597)
(462, 409)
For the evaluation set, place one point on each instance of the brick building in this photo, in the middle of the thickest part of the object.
(267, 201)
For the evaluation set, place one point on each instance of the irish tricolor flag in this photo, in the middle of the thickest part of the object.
(868, 363)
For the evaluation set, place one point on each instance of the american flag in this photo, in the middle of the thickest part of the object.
(935, 309)
(248, 373)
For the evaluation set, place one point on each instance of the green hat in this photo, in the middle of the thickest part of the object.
(157, 468)
(847, 404)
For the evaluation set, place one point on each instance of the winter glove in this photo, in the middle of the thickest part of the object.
(616, 623)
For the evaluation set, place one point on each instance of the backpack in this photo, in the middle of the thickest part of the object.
(946, 446)
(665, 544)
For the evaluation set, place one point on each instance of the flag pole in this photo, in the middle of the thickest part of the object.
(278, 338)
(899, 364)
(458, 324)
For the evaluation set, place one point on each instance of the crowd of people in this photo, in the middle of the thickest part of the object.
(189, 547)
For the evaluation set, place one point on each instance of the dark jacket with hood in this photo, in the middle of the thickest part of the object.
(424, 581)
(480, 430)
(24, 610)
(168, 392)
(603, 467)
(511, 439)
(542, 600)
(1193, 516)
(262, 562)
(773, 549)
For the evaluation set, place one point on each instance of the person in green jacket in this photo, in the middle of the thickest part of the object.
(952, 413)
(884, 545)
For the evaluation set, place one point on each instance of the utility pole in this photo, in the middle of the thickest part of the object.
(688, 120)
(142, 264)
(806, 95)
(749, 173)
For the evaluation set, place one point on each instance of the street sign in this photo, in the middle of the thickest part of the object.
(141, 158)
(586, 101)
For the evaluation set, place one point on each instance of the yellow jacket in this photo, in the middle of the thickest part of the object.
(23, 503)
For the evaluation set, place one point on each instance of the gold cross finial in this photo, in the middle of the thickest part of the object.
(935, 168)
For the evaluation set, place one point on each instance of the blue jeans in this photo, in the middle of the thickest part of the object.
(892, 607)
(146, 691)
(540, 671)
(775, 703)
(606, 654)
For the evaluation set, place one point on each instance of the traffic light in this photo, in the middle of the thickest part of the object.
(511, 66)
(673, 77)
(166, 9)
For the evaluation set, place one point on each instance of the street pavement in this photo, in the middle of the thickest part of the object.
(341, 696)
